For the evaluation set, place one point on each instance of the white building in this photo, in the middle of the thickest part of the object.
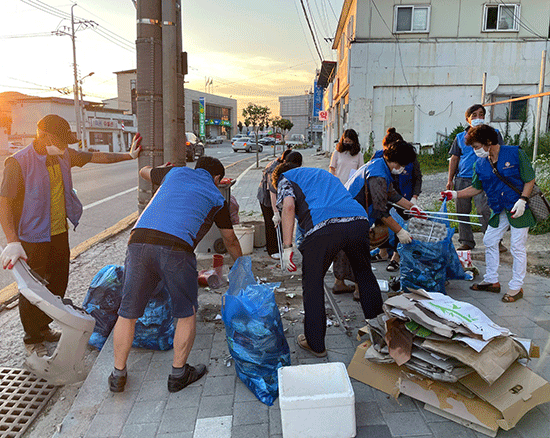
(417, 65)
(107, 130)
(298, 109)
(220, 112)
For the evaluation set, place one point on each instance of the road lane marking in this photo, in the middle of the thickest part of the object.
(101, 201)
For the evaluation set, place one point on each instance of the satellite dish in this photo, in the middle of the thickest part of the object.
(492, 84)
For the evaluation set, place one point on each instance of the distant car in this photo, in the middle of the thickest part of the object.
(220, 139)
(295, 141)
(237, 137)
(246, 144)
(267, 141)
(193, 147)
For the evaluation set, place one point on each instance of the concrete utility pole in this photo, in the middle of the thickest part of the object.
(71, 32)
(181, 71)
(169, 80)
(149, 91)
(77, 108)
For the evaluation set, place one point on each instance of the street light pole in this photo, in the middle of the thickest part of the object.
(77, 107)
(83, 138)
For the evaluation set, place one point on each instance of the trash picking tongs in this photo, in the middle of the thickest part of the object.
(66, 364)
(337, 312)
(280, 244)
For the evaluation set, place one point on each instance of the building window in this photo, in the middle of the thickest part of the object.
(97, 138)
(502, 17)
(411, 19)
(516, 111)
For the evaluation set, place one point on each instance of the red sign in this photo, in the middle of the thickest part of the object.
(323, 115)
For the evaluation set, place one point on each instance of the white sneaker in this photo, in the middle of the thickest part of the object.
(40, 349)
(276, 256)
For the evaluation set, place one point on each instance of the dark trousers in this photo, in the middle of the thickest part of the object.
(318, 250)
(270, 232)
(50, 260)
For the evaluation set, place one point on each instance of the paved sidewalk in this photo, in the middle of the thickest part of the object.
(219, 405)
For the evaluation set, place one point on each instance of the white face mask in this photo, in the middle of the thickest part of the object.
(54, 150)
(398, 171)
(477, 122)
(481, 153)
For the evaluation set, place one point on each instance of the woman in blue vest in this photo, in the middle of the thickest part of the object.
(332, 221)
(408, 184)
(508, 206)
(266, 196)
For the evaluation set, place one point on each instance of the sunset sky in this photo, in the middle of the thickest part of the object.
(255, 50)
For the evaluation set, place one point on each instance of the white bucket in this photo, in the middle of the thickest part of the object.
(245, 234)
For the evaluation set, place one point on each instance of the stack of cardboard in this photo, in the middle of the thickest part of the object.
(451, 356)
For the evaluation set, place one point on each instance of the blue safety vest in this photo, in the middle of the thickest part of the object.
(184, 205)
(320, 196)
(376, 167)
(499, 195)
(35, 222)
(404, 181)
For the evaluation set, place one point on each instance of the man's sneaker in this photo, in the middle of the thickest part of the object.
(117, 383)
(190, 375)
(40, 349)
(51, 335)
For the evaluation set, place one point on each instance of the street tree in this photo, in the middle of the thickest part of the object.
(257, 116)
(284, 125)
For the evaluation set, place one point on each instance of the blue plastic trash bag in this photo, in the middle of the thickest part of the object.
(428, 265)
(154, 330)
(102, 302)
(254, 331)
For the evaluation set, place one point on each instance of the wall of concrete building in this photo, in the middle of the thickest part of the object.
(192, 96)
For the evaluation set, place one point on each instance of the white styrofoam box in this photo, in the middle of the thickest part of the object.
(316, 401)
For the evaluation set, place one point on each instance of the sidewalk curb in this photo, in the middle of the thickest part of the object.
(11, 290)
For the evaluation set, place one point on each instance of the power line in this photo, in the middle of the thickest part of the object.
(314, 26)
(311, 30)
(304, 31)
(27, 35)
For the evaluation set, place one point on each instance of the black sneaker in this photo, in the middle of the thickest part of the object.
(190, 375)
(117, 383)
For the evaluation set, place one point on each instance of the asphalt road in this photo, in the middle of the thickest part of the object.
(108, 192)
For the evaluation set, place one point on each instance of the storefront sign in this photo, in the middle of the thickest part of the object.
(317, 99)
(102, 123)
(202, 128)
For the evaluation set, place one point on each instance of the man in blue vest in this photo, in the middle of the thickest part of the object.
(461, 170)
(36, 199)
(160, 248)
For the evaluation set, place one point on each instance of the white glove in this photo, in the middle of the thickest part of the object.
(136, 146)
(414, 201)
(12, 252)
(276, 218)
(404, 236)
(518, 209)
(288, 264)
(449, 195)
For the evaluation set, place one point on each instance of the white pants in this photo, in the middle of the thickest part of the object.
(518, 241)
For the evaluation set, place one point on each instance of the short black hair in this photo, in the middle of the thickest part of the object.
(473, 108)
(400, 152)
(212, 165)
(483, 134)
(285, 154)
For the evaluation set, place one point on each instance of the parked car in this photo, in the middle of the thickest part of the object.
(193, 147)
(267, 141)
(295, 140)
(216, 140)
(238, 136)
(246, 144)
